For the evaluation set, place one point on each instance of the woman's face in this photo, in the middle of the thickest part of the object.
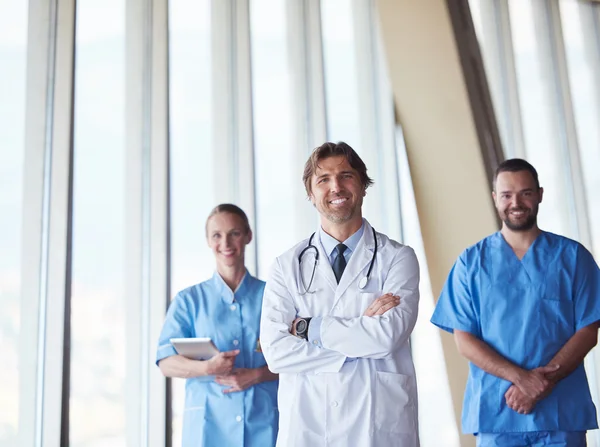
(227, 237)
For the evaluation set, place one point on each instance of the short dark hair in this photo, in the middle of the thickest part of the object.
(327, 150)
(516, 165)
(231, 209)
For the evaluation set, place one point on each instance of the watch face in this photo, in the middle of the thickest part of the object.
(301, 327)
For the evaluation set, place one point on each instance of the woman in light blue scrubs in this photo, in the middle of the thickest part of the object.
(231, 399)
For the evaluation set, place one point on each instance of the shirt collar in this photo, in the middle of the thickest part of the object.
(226, 293)
(329, 242)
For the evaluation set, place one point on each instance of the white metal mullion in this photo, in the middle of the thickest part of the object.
(134, 215)
(389, 187)
(501, 70)
(589, 15)
(382, 206)
(47, 222)
(304, 41)
(596, 19)
(159, 292)
(146, 217)
(245, 167)
(233, 139)
(222, 98)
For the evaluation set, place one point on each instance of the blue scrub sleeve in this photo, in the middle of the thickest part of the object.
(178, 324)
(587, 289)
(455, 309)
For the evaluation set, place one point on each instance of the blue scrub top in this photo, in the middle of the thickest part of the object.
(211, 418)
(526, 310)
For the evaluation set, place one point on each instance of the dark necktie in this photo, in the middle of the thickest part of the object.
(339, 264)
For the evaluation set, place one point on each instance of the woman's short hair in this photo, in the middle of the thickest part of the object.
(327, 150)
(231, 209)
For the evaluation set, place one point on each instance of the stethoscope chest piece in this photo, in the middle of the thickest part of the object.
(363, 283)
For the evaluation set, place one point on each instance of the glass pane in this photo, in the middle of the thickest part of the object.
(276, 174)
(586, 101)
(537, 90)
(13, 59)
(97, 401)
(341, 83)
(437, 425)
(191, 157)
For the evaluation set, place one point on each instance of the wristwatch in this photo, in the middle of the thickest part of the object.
(302, 328)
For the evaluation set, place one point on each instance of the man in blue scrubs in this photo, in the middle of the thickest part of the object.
(524, 306)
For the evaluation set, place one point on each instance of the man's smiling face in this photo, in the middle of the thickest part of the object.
(336, 190)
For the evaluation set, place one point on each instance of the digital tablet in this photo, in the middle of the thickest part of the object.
(195, 348)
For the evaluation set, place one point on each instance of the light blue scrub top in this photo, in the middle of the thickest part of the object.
(211, 418)
(526, 310)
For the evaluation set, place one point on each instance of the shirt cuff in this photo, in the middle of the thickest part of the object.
(314, 331)
(164, 351)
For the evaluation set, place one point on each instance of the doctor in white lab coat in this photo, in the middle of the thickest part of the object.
(346, 376)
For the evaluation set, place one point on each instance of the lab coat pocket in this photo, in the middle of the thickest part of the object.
(394, 403)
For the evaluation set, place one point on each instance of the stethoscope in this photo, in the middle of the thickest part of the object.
(361, 284)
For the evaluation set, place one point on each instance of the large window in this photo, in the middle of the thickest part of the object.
(97, 398)
(253, 86)
(13, 57)
(192, 174)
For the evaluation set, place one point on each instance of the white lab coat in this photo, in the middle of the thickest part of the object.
(324, 400)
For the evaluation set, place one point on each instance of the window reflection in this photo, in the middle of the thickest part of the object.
(97, 400)
(191, 157)
(13, 57)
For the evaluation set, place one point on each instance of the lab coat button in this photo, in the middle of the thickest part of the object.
(233, 307)
(235, 343)
(315, 342)
(334, 404)
(238, 418)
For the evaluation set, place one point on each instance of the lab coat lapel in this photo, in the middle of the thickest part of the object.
(359, 261)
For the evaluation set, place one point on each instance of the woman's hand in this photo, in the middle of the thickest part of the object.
(222, 363)
(240, 379)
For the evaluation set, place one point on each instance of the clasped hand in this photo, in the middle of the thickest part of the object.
(530, 387)
(239, 379)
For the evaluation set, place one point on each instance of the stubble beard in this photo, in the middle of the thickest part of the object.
(339, 217)
(524, 226)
